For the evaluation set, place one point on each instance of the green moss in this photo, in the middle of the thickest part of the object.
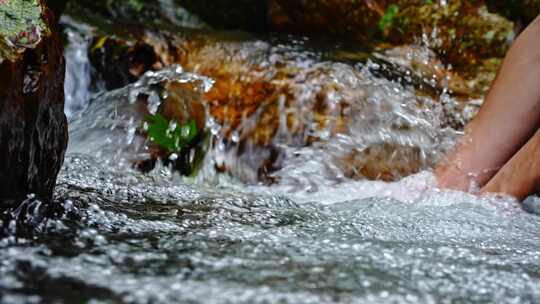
(17, 16)
(388, 18)
(21, 26)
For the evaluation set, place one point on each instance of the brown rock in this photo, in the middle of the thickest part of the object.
(384, 161)
(266, 96)
(462, 33)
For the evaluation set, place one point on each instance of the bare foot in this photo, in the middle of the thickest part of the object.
(521, 175)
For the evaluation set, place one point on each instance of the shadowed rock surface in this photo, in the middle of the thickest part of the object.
(524, 11)
(225, 14)
(33, 128)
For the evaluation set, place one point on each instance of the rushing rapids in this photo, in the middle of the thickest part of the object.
(322, 193)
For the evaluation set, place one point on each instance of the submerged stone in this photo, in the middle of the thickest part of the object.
(532, 204)
(270, 95)
(33, 128)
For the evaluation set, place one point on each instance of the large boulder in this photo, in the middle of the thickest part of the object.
(463, 34)
(271, 94)
(33, 127)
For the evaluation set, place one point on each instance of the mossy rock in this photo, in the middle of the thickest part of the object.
(21, 27)
(463, 33)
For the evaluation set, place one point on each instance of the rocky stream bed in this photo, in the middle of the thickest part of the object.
(252, 152)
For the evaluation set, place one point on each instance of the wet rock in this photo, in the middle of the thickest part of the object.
(271, 94)
(116, 63)
(349, 19)
(384, 161)
(532, 204)
(462, 33)
(33, 128)
(145, 122)
(249, 15)
(464, 36)
(111, 15)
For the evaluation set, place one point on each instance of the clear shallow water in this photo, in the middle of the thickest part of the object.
(314, 236)
(152, 239)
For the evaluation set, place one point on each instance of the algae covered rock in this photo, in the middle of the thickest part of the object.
(22, 27)
(463, 34)
(33, 128)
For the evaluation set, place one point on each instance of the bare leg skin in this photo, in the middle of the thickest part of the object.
(521, 175)
(507, 120)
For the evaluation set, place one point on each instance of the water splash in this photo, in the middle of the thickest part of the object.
(354, 122)
(77, 85)
(113, 124)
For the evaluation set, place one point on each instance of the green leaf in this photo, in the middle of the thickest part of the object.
(170, 135)
(388, 18)
(99, 44)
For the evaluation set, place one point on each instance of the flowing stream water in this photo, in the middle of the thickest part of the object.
(316, 235)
